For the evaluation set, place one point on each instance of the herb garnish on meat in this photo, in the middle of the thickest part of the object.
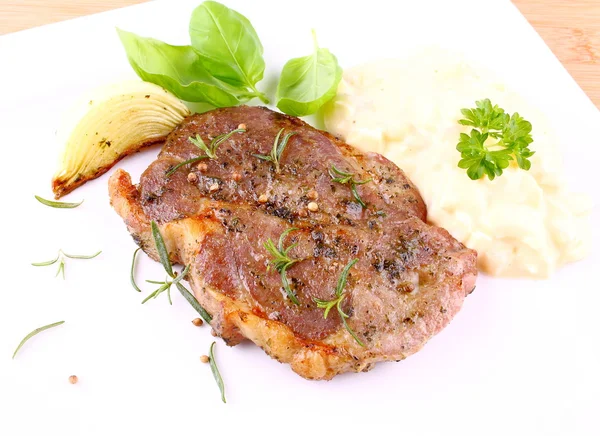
(348, 179)
(277, 150)
(282, 261)
(337, 301)
(209, 150)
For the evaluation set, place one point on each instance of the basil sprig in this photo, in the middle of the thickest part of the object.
(221, 67)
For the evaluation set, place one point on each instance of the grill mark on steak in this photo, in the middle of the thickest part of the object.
(410, 280)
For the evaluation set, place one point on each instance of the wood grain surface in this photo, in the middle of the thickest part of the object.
(571, 28)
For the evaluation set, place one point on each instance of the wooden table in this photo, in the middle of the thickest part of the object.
(571, 28)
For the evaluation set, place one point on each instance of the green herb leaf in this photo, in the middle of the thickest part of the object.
(345, 178)
(308, 82)
(166, 285)
(81, 256)
(163, 254)
(192, 300)
(276, 150)
(281, 262)
(341, 284)
(229, 46)
(132, 274)
(57, 204)
(181, 164)
(337, 302)
(180, 70)
(35, 332)
(215, 371)
(47, 263)
(61, 259)
(489, 121)
(211, 150)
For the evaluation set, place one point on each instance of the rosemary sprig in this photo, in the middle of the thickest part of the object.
(281, 261)
(132, 274)
(348, 179)
(57, 204)
(185, 162)
(60, 257)
(337, 301)
(211, 150)
(166, 285)
(163, 255)
(277, 150)
(215, 371)
(35, 332)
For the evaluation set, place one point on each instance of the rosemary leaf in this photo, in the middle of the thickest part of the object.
(61, 259)
(192, 300)
(48, 263)
(281, 261)
(198, 142)
(215, 371)
(337, 302)
(211, 150)
(286, 286)
(181, 276)
(61, 269)
(345, 178)
(185, 162)
(57, 204)
(163, 254)
(351, 331)
(276, 150)
(341, 284)
(159, 291)
(79, 256)
(132, 274)
(35, 332)
(224, 137)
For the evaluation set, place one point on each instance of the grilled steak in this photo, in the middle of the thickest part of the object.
(410, 278)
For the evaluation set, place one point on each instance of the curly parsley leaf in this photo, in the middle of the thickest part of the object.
(513, 135)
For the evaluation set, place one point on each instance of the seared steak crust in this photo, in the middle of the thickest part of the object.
(410, 279)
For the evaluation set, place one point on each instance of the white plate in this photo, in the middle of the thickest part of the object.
(520, 358)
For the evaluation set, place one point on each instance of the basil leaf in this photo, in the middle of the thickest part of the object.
(308, 82)
(178, 69)
(230, 48)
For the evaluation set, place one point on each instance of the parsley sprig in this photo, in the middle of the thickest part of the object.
(281, 261)
(340, 294)
(513, 135)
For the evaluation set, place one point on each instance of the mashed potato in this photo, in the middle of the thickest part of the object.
(524, 223)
